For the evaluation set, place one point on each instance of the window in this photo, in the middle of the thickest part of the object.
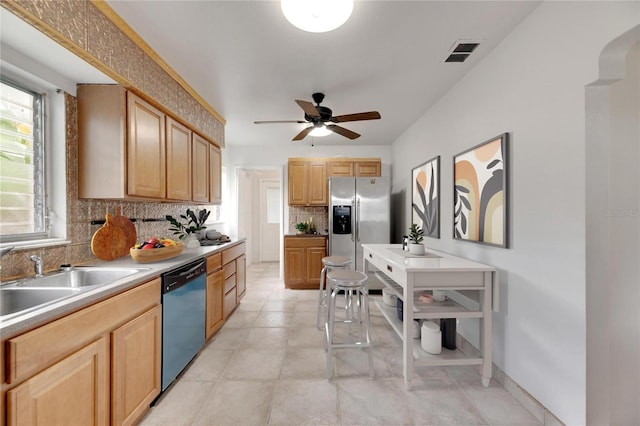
(22, 163)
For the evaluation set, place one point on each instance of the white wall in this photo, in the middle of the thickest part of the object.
(533, 86)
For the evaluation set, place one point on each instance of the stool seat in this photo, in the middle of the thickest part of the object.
(335, 261)
(328, 263)
(346, 277)
(354, 286)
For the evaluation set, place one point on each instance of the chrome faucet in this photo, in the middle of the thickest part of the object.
(38, 265)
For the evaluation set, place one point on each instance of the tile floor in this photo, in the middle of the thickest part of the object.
(267, 366)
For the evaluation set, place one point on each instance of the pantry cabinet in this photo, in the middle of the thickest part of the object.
(96, 366)
(129, 148)
(303, 261)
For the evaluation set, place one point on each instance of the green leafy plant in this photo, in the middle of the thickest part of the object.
(301, 227)
(194, 222)
(416, 234)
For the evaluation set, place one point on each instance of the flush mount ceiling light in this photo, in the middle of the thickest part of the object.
(317, 16)
(319, 131)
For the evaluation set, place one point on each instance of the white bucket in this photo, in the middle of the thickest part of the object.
(431, 337)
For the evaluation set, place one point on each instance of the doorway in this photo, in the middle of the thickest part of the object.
(260, 212)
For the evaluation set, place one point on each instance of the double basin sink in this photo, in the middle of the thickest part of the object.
(25, 295)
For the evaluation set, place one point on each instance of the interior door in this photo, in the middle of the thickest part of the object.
(269, 220)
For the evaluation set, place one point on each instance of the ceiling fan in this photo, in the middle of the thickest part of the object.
(318, 116)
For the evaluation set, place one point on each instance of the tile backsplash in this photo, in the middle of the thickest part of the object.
(302, 214)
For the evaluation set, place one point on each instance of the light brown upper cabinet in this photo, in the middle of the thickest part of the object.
(200, 164)
(131, 149)
(307, 182)
(358, 167)
(178, 161)
(215, 174)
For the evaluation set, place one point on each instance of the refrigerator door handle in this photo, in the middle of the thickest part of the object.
(354, 222)
(358, 220)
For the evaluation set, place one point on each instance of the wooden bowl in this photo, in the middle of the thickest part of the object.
(157, 254)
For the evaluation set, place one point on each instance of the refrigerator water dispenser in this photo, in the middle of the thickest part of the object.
(342, 220)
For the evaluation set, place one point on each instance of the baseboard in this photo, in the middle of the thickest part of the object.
(534, 406)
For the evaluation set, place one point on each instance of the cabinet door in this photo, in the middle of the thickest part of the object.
(75, 391)
(314, 264)
(145, 149)
(136, 366)
(241, 272)
(318, 184)
(298, 171)
(340, 168)
(368, 169)
(215, 174)
(178, 161)
(200, 169)
(295, 266)
(215, 298)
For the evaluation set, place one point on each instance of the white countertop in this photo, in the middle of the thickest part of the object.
(21, 323)
(432, 261)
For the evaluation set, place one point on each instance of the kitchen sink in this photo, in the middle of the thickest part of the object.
(21, 300)
(77, 277)
(24, 295)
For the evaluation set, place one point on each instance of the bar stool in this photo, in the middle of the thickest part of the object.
(328, 263)
(354, 285)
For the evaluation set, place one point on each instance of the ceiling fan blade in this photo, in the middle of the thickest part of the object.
(308, 108)
(371, 115)
(280, 121)
(342, 131)
(303, 133)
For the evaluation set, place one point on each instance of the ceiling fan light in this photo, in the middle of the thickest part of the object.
(317, 16)
(320, 131)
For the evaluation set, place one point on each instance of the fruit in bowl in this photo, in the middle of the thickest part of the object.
(155, 249)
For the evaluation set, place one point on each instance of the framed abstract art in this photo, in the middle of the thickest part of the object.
(480, 196)
(425, 197)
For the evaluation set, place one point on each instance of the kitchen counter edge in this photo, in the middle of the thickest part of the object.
(30, 320)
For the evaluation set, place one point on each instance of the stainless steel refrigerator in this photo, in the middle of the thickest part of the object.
(359, 211)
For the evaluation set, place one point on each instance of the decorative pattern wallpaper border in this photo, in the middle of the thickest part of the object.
(94, 32)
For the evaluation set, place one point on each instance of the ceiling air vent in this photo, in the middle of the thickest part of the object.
(461, 52)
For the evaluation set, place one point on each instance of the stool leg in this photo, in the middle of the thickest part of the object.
(322, 295)
(330, 328)
(367, 320)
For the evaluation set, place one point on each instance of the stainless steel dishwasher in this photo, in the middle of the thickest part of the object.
(183, 318)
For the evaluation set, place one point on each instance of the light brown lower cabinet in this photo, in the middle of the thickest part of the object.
(215, 295)
(303, 261)
(136, 369)
(234, 267)
(73, 391)
(97, 366)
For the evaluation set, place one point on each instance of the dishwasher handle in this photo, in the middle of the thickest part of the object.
(178, 277)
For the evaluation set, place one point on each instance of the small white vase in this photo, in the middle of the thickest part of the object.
(191, 241)
(417, 249)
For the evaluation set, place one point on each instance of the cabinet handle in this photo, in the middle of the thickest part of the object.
(389, 268)
(370, 255)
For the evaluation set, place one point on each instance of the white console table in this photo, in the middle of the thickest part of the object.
(408, 275)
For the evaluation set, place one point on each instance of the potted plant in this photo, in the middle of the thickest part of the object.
(301, 227)
(416, 235)
(194, 225)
